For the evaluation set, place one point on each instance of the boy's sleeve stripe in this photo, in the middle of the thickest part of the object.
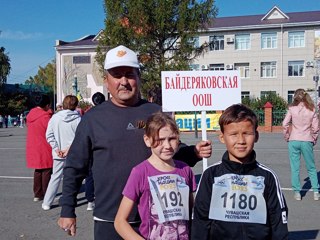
(279, 191)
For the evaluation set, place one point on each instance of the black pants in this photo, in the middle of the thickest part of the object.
(106, 230)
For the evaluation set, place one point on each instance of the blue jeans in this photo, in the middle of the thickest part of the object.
(296, 149)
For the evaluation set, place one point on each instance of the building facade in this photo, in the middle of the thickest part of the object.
(77, 70)
(276, 52)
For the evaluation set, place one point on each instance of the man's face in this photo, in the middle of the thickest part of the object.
(239, 138)
(123, 85)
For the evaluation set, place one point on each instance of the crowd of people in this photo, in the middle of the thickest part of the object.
(9, 121)
(138, 174)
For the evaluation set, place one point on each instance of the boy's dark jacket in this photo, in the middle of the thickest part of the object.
(204, 228)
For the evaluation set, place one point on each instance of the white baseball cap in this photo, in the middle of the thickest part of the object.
(121, 56)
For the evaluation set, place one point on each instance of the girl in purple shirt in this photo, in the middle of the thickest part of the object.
(161, 186)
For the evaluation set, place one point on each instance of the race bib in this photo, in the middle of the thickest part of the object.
(170, 195)
(238, 198)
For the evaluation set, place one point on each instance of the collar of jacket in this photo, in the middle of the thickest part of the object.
(239, 168)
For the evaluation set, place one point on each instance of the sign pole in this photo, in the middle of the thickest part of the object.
(204, 137)
(199, 91)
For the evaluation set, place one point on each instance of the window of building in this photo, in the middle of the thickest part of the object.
(242, 42)
(216, 43)
(194, 41)
(216, 67)
(243, 69)
(268, 69)
(266, 93)
(268, 40)
(194, 67)
(290, 96)
(296, 39)
(296, 68)
(81, 59)
(245, 94)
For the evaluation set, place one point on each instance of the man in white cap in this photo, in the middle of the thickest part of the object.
(109, 139)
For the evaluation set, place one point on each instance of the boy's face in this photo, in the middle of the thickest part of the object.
(239, 139)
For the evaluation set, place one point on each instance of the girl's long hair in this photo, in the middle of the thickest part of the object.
(300, 95)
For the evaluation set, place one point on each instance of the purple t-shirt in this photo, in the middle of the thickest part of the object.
(138, 189)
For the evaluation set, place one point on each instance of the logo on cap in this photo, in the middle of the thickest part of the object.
(121, 53)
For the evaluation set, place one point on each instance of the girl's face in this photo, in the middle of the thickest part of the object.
(167, 144)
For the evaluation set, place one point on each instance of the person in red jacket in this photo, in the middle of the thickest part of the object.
(38, 150)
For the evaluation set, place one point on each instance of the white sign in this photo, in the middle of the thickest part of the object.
(200, 90)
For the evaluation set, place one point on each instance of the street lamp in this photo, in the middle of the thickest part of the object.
(316, 80)
(310, 64)
(75, 85)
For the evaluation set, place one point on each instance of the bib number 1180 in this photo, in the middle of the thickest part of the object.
(242, 200)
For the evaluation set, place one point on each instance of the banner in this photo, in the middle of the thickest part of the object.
(186, 122)
(200, 90)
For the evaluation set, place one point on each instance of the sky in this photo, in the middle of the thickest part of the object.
(29, 29)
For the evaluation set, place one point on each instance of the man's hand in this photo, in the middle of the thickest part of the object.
(59, 153)
(203, 149)
(68, 225)
(65, 152)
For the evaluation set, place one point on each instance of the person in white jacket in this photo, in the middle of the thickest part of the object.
(60, 134)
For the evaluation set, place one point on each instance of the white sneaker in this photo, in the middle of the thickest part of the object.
(297, 196)
(90, 206)
(36, 199)
(316, 196)
(45, 207)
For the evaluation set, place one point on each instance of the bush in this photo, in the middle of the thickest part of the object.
(84, 105)
(277, 102)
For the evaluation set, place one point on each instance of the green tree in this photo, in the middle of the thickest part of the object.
(23, 97)
(161, 31)
(17, 104)
(43, 82)
(45, 78)
(5, 66)
(13, 103)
